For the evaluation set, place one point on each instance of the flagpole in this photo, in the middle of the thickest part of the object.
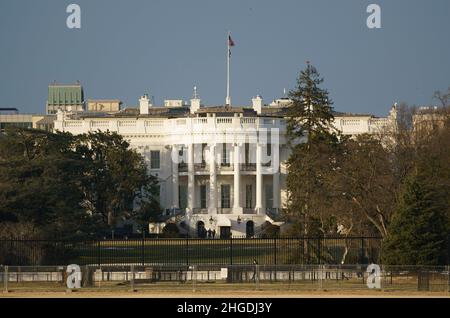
(228, 99)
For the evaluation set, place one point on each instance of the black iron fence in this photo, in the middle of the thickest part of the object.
(186, 251)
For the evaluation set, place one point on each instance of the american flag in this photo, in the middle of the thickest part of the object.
(230, 44)
(230, 41)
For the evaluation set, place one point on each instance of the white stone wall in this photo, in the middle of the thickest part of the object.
(146, 134)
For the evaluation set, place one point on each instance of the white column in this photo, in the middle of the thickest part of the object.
(191, 178)
(212, 209)
(175, 183)
(259, 182)
(237, 209)
(276, 175)
(276, 190)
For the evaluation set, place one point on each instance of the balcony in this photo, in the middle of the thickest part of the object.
(224, 211)
(200, 166)
(248, 167)
(249, 211)
(226, 166)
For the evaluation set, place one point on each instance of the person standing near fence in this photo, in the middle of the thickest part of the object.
(255, 267)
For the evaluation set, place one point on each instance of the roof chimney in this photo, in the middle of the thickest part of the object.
(144, 103)
(257, 103)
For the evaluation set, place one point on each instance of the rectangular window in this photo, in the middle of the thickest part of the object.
(203, 196)
(225, 196)
(154, 159)
(248, 196)
(182, 196)
(203, 153)
(225, 159)
(269, 196)
(247, 153)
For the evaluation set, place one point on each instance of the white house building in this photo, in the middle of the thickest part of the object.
(222, 168)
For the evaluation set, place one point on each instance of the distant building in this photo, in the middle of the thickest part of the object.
(68, 98)
(44, 122)
(103, 105)
(10, 117)
(8, 111)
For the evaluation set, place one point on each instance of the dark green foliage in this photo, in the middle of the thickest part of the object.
(116, 179)
(418, 232)
(61, 185)
(41, 179)
(269, 230)
(310, 114)
(170, 231)
(314, 145)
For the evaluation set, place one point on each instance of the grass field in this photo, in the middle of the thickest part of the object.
(190, 251)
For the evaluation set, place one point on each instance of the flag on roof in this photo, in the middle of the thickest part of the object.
(230, 41)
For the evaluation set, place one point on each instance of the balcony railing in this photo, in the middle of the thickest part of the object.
(224, 211)
(200, 211)
(248, 167)
(200, 166)
(226, 166)
(249, 211)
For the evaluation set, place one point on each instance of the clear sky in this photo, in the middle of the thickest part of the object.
(165, 47)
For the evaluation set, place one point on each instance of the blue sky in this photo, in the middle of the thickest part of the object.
(165, 47)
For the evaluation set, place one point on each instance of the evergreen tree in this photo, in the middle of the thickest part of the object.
(41, 178)
(314, 144)
(418, 232)
(311, 112)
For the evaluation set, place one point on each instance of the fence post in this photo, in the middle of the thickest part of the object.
(192, 278)
(187, 251)
(5, 279)
(231, 251)
(143, 252)
(257, 276)
(448, 277)
(98, 253)
(132, 279)
(362, 251)
(319, 256)
(275, 250)
(321, 277)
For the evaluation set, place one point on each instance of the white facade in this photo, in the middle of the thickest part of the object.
(224, 166)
